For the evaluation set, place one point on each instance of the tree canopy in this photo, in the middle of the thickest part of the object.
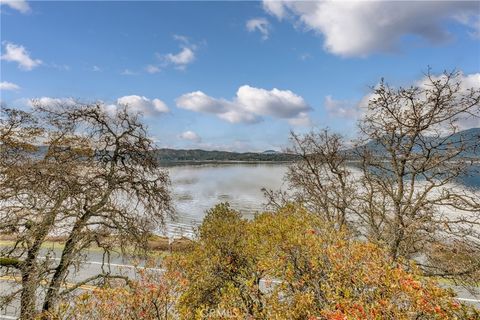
(83, 173)
(288, 264)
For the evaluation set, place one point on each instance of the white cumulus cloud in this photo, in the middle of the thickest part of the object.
(51, 102)
(19, 5)
(360, 28)
(134, 104)
(200, 102)
(249, 105)
(5, 85)
(353, 110)
(259, 24)
(275, 102)
(181, 59)
(191, 136)
(467, 82)
(471, 81)
(143, 104)
(17, 53)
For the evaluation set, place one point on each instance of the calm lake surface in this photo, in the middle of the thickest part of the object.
(198, 187)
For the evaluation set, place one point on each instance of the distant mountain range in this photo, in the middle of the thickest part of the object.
(198, 155)
(470, 139)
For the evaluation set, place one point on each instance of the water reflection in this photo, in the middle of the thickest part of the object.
(197, 188)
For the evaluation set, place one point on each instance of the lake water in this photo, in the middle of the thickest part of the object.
(197, 188)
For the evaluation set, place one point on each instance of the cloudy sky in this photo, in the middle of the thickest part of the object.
(231, 75)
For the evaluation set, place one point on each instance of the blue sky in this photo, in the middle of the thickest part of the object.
(231, 75)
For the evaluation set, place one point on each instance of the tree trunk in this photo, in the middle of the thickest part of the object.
(51, 298)
(29, 271)
(28, 298)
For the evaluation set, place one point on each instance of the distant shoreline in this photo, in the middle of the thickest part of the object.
(174, 163)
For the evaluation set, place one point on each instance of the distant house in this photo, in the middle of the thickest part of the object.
(270, 152)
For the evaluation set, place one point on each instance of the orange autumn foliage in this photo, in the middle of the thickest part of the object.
(288, 264)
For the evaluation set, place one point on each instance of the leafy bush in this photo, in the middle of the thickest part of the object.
(288, 264)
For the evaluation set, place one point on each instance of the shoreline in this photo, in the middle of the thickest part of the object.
(200, 162)
(156, 243)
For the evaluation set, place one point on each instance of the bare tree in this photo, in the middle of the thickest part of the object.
(83, 173)
(412, 155)
(399, 189)
(321, 179)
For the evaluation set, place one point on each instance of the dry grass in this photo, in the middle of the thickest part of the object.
(155, 243)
